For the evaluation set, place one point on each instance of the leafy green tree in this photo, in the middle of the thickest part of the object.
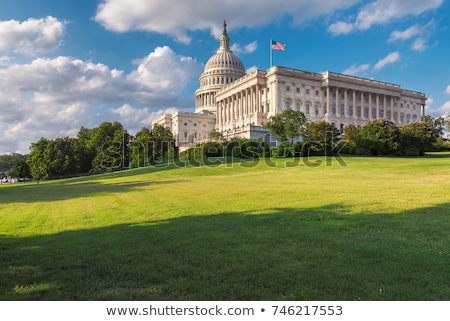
(322, 132)
(418, 137)
(216, 136)
(66, 156)
(436, 125)
(287, 126)
(108, 144)
(60, 157)
(321, 136)
(162, 141)
(351, 134)
(9, 162)
(23, 170)
(140, 148)
(379, 137)
(36, 160)
(152, 146)
(347, 145)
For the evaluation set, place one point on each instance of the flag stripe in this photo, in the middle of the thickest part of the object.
(276, 45)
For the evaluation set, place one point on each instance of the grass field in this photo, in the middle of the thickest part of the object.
(374, 229)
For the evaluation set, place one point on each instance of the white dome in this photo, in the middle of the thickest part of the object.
(226, 63)
(222, 68)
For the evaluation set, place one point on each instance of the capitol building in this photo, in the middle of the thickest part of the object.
(239, 104)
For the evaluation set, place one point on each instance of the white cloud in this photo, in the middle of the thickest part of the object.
(163, 74)
(406, 34)
(31, 36)
(127, 15)
(4, 61)
(419, 45)
(442, 111)
(251, 69)
(341, 28)
(389, 59)
(133, 119)
(384, 11)
(55, 97)
(422, 32)
(251, 47)
(447, 90)
(356, 69)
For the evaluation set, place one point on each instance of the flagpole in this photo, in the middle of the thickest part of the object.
(270, 52)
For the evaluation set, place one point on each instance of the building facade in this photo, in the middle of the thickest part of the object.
(238, 104)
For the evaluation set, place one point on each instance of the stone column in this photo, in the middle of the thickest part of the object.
(258, 99)
(378, 107)
(345, 103)
(385, 107)
(337, 102)
(240, 109)
(354, 104)
(248, 102)
(328, 107)
(362, 105)
(273, 104)
(392, 108)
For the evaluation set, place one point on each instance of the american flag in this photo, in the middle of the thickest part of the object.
(276, 45)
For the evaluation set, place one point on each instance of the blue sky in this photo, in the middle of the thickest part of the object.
(71, 63)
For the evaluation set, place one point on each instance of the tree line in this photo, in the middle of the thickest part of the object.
(108, 147)
(299, 137)
(377, 137)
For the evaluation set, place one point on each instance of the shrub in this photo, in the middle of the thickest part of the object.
(379, 137)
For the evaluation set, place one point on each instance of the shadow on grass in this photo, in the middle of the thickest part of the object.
(288, 254)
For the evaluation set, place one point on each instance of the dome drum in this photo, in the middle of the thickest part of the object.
(221, 69)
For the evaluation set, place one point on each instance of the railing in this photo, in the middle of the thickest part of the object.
(360, 80)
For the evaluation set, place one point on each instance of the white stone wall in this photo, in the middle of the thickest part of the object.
(336, 98)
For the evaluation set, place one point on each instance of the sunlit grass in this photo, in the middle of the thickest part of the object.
(361, 229)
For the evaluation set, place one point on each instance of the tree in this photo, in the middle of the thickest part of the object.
(36, 160)
(379, 137)
(447, 120)
(162, 143)
(140, 155)
(23, 170)
(351, 134)
(108, 144)
(287, 126)
(216, 136)
(347, 145)
(321, 136)
(59, 157)
(152, 146)
(436, 125)
(9, 162)
(418, 137)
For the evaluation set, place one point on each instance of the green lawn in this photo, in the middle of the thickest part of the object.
(374, 229)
